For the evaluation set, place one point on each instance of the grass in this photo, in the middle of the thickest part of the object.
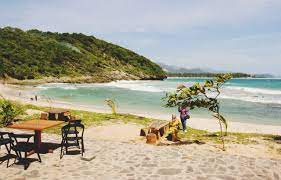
(95, 119)
(235, 138)
(92, 118)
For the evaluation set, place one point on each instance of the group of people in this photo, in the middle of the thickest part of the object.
(175, 123)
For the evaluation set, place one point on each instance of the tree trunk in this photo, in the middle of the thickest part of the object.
(221, 135)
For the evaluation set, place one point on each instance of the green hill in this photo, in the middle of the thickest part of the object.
(35, 54)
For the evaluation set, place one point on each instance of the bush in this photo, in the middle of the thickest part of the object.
(9, 111)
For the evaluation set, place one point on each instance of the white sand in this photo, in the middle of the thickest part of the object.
(115, 132)
(118, 157)
(12, 92)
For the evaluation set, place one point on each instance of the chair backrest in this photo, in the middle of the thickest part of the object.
(74, 125)
(52, 116)
(3, 139)
(16, 137)
(3, 134)
(44, 116)
(77, 121)
(72, 118)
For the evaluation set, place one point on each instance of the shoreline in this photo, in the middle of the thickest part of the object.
(12, 92)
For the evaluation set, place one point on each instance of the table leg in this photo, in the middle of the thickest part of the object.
(37, 139)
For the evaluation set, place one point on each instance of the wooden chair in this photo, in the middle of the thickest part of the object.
(72, 136)
(23, 146)
(6, 141)
(44, 116)
(72, 118)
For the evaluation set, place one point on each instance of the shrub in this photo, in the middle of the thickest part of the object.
(112, 104)
(9, 111)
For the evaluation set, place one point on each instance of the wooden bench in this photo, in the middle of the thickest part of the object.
(157, 127)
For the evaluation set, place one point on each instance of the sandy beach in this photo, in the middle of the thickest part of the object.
(140, 90)
(124, 155)
(12, 92)
(115, 150)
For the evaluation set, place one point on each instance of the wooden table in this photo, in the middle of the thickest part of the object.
(61, 113)
(159, 128)
(37, 126)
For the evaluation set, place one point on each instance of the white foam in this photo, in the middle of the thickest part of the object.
(255, 99)
(57, 85)
(255, 90)
(256, 95)
(135, 86)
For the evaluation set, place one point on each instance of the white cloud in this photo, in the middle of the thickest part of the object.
(138, 15)
(224, 34)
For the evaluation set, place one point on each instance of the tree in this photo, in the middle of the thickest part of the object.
(202, 96)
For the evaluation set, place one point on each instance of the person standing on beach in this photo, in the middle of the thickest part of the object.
(184, 115)
(36, 98)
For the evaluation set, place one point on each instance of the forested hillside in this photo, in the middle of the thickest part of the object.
(35, 54)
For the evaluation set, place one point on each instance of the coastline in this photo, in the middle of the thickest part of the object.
(12, 92)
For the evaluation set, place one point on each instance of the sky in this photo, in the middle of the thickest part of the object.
(228, 35)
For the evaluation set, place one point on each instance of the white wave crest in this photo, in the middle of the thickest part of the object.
(135, 86)
(255, 90)
(254, 99)
(58, 85)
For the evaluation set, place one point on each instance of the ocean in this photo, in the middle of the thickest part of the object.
(243, 100)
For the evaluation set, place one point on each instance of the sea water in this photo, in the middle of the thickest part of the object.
(243, 100)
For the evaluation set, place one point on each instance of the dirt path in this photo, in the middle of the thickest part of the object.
(119, 132)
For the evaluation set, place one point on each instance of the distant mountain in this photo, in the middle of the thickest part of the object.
(264, 76)
(176, 69)
(35, 54)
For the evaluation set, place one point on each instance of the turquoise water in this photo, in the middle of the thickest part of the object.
(243, 100)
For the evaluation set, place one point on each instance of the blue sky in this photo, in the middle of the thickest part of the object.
(231, 35)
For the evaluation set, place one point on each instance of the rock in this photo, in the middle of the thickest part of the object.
(88, 158)
(169, 171)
